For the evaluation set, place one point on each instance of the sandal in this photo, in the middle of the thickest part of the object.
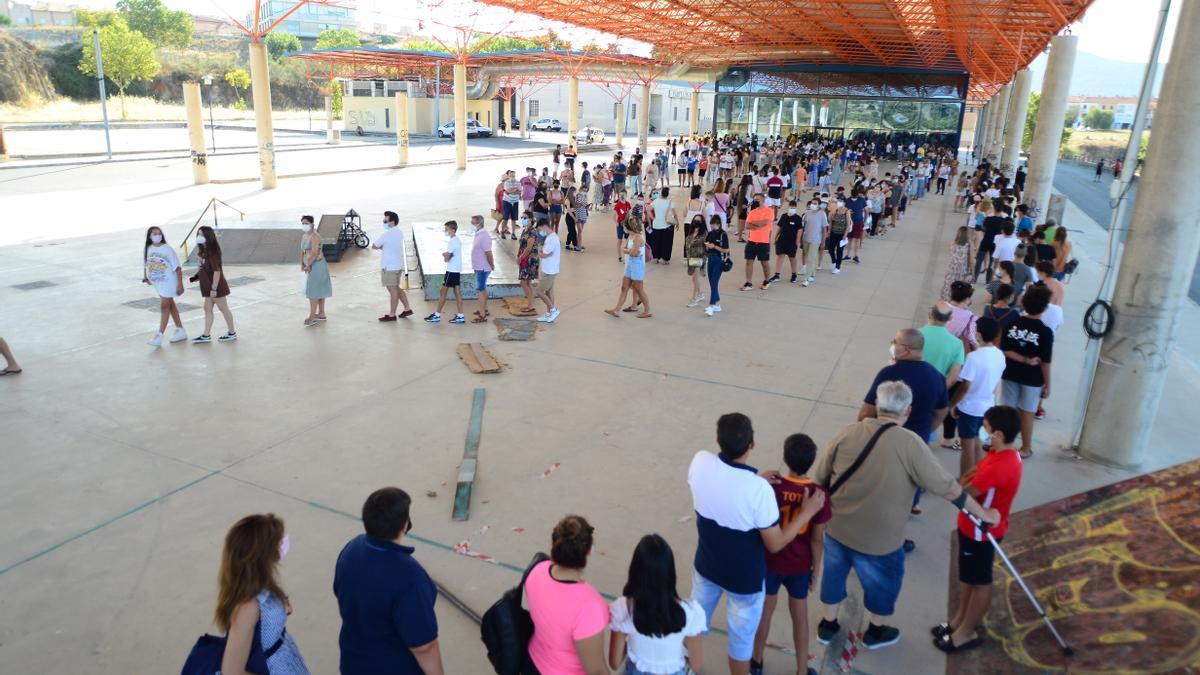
(1026, 455)
(10, 371)
(631, 308)
(479, 318)
(940, 630)
(946, 644)
(612, 313)
(952, 446)
(644, 315)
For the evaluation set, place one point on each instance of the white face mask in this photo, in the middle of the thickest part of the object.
(156, 238)
(892, 351)
(792, 211)
(306, 227)
(812, 207)
(201, 239)
(285, 546)
(824, 205)
(524, 222)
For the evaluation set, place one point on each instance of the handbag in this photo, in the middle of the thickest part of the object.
(206, 655)
(726, 263)
(506, 629)
(858, 462)
(496, 215)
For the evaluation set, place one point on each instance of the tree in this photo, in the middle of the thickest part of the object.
(128, 56)
(279, 43)
(337, 38)
(335, 98)
(239, 79)
(1098, 118)
(1035, 103)
(98, 19)
(162, 26)
(5, 20)
(385, 40)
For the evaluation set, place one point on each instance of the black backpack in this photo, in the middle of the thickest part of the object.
(507, 627)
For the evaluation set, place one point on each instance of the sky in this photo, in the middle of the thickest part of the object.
(1116, 29)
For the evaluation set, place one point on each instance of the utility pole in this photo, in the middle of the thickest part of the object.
(103, 95)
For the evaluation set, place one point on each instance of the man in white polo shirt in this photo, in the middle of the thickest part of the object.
(393, 265)
(737, 519)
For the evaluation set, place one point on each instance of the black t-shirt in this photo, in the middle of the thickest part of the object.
(1046, 252)
(992, 226)
(789, 227)
(1029, 338)
(717, 238)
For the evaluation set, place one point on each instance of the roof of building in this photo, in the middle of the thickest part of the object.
(1103, 100)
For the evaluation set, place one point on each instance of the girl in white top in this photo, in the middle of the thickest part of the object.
(652, 631)
(160, 268)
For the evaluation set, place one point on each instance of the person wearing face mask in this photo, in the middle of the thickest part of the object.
(453, 278)
(393, 265)
(251, 598)
(483, 263)
(160, 268)
(385, 597)
(787, 241)
(868, 496)
(317, 285)
(816, 226)
(758, 223)
(213, 285)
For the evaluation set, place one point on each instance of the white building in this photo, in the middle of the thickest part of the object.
(1123, 109)
(670, 106)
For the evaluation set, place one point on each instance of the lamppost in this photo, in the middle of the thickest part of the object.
(212, 127)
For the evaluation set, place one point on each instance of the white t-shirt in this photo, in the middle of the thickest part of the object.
(659, 655)
(983, 369)
(454, 246)
(551, 254)
(391, 246)
(1006, 247)
(161, 263)
(661, 206)
(1053, 318)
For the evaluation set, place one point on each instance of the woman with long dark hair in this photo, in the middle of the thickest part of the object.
(652, 629)
(249, 597)
(160, 269)
(213, 285)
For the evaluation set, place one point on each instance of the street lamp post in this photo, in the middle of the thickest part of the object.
(212, 127)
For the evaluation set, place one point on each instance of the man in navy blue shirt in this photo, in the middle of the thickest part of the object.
(858, 218)
(385, 597)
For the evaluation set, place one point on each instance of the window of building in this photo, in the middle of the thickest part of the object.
(615, 104)
(674, 113)
(687, 114)
(534, 108)
(633, 110)
(579, 107)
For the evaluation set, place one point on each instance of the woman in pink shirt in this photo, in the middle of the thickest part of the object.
(569, 616)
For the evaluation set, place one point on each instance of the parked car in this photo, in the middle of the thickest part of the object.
(546, 124)
(473, 129)
(589, 135)
(513, 124)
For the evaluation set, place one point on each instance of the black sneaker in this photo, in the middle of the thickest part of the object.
(765, 284)
(772, 280)
(747, 286)
(880, 636)
(756, 667)
(827, 630)
(795, 279)
(909, 546)
(855, 259)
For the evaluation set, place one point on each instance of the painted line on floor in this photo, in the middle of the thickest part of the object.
(466, 472)
(110, 521)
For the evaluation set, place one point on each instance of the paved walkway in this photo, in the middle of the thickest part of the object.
(129, 464)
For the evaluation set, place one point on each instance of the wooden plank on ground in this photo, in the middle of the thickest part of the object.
(478, 359)
(466, 472)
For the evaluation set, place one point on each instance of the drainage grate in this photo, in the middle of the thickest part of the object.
(152, 305)
(244, 281)
(33, 285)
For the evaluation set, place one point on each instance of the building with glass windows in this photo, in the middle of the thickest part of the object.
(900, 106)
(308, 21)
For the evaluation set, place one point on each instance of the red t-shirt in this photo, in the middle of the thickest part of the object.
(621, 208)
(997, 480)
(796, 557)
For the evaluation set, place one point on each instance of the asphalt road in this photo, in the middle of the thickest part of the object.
(1076, 182)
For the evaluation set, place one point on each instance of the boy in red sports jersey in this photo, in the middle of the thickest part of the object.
(993, 483)
(796, 566)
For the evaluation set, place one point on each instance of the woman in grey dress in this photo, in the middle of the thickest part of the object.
(250, 597)
(317, 285)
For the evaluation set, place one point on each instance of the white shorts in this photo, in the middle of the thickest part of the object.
(771, 201)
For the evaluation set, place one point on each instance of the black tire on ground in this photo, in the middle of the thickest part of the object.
(362, 241)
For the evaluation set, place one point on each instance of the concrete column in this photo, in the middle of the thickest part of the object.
(694, 115)
(643, 121)
(620, 123)
(572, 109)
(1047, 135)
(195, 126)
(523, 115)
(997, 135)
(985, 127)
(1152, 282)
(1018, 109)
(402, 127)
(460, 114)
(260, 79)
(980, 127)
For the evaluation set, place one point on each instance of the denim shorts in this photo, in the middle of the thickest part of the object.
(968, 425)
(742, 614)
(880, 575)
(481, 280)
(796, 584)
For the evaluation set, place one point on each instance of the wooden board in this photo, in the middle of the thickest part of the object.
(477, 358)
(466, 472)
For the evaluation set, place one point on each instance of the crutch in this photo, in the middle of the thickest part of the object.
(1012, 570)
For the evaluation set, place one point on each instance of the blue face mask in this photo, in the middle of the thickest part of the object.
(541, 235)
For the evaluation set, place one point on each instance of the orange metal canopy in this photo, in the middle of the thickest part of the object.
(989, 39)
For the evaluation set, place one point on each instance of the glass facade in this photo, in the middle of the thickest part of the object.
(900, 107)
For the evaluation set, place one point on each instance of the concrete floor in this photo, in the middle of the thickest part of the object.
(124, 466)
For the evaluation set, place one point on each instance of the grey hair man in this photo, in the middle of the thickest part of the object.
(866, 532)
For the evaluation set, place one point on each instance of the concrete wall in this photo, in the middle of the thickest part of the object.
(376, 114)
(669, 108)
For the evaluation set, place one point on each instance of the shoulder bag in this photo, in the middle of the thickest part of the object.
(858, 462)
(507, 627)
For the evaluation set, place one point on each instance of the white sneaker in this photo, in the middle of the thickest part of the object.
(836, 270)
(818, 267)
(709, 311)
(156, 341)
(695, 301)
(179, 336)
(804, 270)
(545, 318)
(808, 282)
(554, 314)
(716, 308)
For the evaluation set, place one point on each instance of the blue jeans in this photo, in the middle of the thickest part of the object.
(742, 614)
(880, 575)
(715, 270)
